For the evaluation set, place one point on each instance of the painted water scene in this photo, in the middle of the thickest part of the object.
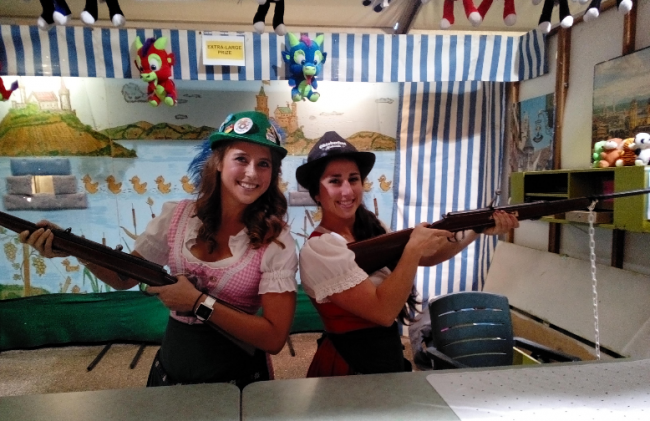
(621, 97)
(93, 156)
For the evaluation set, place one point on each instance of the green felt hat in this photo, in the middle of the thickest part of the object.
(248, 126)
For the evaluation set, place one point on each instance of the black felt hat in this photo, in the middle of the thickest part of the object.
(332, 145)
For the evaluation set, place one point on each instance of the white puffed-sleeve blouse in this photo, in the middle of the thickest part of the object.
(327, 267)
(278, 266)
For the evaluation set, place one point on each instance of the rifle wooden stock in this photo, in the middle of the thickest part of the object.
(383, 250)
(126, 264)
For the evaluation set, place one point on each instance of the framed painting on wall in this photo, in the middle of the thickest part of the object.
(621, 105)
(533, 129)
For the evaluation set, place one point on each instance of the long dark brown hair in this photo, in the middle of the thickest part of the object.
(366, 225)
(264, 219)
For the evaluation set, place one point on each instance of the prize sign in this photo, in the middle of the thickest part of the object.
(223, 50)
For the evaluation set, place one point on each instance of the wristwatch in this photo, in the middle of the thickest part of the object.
(204, 310)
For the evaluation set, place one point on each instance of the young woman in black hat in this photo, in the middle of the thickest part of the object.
(359, 309)
(231, 243)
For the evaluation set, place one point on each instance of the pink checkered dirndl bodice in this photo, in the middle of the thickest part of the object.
(236, 284)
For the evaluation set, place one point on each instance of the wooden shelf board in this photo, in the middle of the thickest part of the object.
(558, 194)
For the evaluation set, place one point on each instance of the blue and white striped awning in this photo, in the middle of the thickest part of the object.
(108, 53)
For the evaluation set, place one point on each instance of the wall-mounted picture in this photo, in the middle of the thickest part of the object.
(621, 97)
(533, 129)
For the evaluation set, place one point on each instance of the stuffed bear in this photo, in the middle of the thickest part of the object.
(278, 16)
(628, 154)
(611, 152)
(642, 144)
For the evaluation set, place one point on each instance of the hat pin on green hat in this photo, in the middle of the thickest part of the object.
(248, 126)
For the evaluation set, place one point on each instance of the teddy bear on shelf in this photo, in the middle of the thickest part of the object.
(628, 154)
(642, 145)
(278, 16)
(610, 152)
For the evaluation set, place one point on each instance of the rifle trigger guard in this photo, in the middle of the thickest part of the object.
(68, 230)
(456, 238)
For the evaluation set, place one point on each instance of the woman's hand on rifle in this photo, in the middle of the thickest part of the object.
(503, 223)
(181, 296)
(41, 239)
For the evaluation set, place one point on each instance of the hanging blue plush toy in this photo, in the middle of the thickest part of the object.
(305, 59)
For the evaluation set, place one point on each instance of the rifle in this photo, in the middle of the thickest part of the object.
(383, 250)
(125, 264)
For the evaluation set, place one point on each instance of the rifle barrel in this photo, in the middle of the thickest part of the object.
(375, 253)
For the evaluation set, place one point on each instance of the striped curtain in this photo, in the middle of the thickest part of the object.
(450, 143)
(108, 53)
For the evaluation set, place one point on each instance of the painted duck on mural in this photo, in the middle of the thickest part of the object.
(163, 187)
(284, 185)
(317, 215)
(188, 187)
(113, 187)
(367, 186)
(139, 187)
(90, 186)
(383, 184)
(69, 267)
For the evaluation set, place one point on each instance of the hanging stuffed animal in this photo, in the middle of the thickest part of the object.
(278, 16)
(57, 11)
(509, 13)
(155, 65)
(377, 5)
(90, 12)
(305, 58)
(593, 11)
(53, 12)
(4, 92)
(472, 13)
(566, 20)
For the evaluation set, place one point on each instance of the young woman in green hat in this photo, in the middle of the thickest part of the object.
(232, 244)
(359, 309)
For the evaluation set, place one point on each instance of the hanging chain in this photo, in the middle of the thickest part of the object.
(594, 282)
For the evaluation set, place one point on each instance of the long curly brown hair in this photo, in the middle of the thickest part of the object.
(366, 225)
(264, 219)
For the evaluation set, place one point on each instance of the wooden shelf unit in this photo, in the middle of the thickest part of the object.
(629, 213)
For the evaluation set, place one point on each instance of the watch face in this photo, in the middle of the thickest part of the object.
(203, 312)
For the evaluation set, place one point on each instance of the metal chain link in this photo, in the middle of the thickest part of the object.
(594, 282)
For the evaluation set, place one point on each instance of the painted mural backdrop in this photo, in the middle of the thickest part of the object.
(621, 97)
(91, 155)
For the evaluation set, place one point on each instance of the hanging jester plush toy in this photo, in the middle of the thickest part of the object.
(155, 65)
(305, 59)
